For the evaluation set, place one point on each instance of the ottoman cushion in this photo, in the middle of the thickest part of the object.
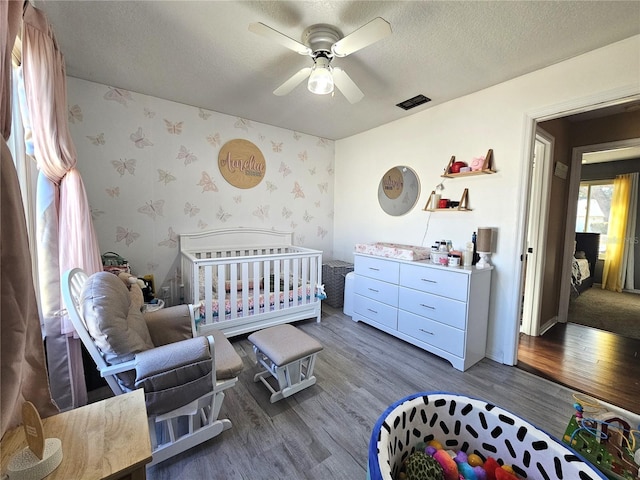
(284, 344)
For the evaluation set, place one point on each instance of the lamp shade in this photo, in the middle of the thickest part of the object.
(484, 239)
(321, 79)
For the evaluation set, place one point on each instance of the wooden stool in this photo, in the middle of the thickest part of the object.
(289, 355)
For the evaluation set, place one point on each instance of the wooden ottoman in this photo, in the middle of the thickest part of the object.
(289, 355)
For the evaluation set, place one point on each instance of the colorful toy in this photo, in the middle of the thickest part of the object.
(606, 440)
(420, 466)
(448, 465)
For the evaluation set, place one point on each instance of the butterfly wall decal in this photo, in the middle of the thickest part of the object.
(127, 235)
(207, 183)
(152, 267)
(75, 113)
(286, 213)
(185, 155)
(262, 212)
(323, 142)
(202, 225)
(297, 191)
(284, 169)
(271, 187)
(95, 213)
(317, 204)
(323, 187)
(214, 139)
(148, 113)
(152, 209)
(97, 140)
(190, 210)
(312, 170)
(113, 191)
(299, 239)
(302, 156)
(322, 232)
(296, 136)
(276, 147)
(306, 217)
(237, 198)
(222, 215)
(174, 128)
(165, 176)
(293, 225)
(243, 124)
(203, 115)
(126, 165)
(171, 241)
(118, 95)
(139, 139)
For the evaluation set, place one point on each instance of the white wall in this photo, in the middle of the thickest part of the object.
(103, 122)
(499, 118)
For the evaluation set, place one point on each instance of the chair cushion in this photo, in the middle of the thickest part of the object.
(228, 362)
(116, 325)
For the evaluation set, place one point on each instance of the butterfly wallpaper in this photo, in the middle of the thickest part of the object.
(150, 168)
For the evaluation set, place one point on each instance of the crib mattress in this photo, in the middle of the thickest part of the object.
(264, 306)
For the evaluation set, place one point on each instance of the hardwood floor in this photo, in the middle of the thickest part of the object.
(323, 432)
(601, 364)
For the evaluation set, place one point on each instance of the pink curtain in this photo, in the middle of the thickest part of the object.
(66, 238)
(23, 374)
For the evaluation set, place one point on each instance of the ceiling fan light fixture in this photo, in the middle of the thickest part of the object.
(321, 79)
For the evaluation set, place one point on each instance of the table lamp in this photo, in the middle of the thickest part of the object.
(483, 247)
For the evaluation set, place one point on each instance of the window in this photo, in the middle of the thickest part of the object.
(594, 208)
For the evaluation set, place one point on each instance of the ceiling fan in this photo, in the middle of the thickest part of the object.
(323, 42)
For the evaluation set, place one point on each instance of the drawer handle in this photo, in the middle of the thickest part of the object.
(372, 311)
(427, 332)
(374, 269)
(427, 306)
(428, 281)
(374, 290)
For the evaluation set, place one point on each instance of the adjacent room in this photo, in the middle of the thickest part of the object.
(244, 239)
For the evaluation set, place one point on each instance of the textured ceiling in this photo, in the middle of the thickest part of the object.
(202, 53)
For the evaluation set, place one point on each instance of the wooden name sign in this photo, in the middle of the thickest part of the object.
(241, 163)
(392, 183)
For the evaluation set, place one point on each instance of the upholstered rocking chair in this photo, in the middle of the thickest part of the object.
(184, 378)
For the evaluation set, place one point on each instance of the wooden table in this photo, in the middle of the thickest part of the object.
(103, 440)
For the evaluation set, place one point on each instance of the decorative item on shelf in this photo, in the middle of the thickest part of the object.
(478, 165)
(436, 203)
(485, 236)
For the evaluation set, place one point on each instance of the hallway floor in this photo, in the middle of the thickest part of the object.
(598, 363)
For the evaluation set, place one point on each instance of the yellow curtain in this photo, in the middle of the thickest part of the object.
(612, 273)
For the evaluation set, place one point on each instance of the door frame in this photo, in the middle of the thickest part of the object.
(624, 94)
(572, 211)
(538, 215)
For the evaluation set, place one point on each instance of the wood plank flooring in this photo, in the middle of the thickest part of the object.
(601, 364)
(323, 432)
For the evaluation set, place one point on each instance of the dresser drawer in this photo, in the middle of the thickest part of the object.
(377, 290)
(434, 333)
(378, 268)
(438, 281)
(444, 310)
(376, 311)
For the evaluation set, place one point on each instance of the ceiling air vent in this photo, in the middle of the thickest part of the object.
(413, 102)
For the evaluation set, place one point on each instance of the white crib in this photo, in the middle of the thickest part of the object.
(242, 280)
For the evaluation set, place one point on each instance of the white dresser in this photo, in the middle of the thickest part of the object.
(443, 310)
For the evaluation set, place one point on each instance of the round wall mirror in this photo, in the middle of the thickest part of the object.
(399, 190)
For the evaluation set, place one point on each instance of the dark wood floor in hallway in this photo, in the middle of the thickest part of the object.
(603, 365)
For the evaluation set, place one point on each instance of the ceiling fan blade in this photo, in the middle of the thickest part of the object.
(375, 30)
(293, 82)
(268, 32)
(348, 88)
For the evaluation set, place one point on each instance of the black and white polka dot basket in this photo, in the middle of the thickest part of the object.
(466, 424)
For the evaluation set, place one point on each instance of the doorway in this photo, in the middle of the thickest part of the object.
(551, 350)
